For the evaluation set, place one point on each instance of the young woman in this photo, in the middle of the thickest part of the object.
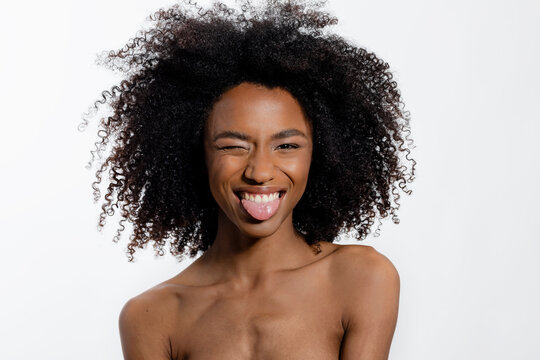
(254, 139)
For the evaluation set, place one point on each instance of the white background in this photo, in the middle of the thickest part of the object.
(467, 247)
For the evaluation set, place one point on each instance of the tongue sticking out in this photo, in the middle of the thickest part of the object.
(261, 211)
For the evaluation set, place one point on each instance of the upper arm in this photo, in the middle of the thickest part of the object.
(371, 306)
(143, 328)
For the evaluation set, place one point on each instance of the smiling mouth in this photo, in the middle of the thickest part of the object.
(257, 197)
(260, 206)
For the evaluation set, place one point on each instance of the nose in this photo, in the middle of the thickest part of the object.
(260, 167)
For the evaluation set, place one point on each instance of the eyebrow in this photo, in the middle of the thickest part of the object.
(239, 135)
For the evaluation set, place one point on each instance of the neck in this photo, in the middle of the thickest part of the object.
(241, 258)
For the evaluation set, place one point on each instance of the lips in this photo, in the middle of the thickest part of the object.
(260, 189)
(259, 210)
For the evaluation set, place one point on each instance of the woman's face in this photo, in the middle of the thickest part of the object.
(258, 148)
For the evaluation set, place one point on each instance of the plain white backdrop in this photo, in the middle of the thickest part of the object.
(467, 247)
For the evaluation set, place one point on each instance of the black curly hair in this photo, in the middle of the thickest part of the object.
(175, 71)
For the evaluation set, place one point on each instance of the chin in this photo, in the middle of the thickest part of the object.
(259, 229)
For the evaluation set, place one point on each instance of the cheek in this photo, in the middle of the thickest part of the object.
(222, 169)
(297, 168)
(225, 164)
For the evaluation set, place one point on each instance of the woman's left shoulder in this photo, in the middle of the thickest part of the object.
(361, 266)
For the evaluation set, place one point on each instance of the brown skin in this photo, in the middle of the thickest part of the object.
(260, 292)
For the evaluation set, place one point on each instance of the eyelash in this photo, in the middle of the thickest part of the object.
(291, 146)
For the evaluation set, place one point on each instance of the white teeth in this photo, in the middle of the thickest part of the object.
(260, 199)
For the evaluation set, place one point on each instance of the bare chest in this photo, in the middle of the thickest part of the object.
(290, 318)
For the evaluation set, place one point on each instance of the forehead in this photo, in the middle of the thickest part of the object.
(256, 110)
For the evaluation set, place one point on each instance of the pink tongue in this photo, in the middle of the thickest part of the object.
(261, 211)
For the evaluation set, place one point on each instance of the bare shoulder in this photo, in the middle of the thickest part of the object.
(364, 278)
(146, 321)
(363, 265)
(152, 303)
(368, 285)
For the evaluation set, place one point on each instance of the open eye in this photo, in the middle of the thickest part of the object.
(288, 146)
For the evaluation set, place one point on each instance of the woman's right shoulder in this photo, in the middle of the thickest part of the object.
(146, 322)
(158, 297)
(149, 307)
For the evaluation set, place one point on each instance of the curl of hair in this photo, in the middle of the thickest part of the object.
(175, 71)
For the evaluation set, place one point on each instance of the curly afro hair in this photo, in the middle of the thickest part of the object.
(176, 69)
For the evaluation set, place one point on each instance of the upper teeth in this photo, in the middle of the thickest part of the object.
(260, 198)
